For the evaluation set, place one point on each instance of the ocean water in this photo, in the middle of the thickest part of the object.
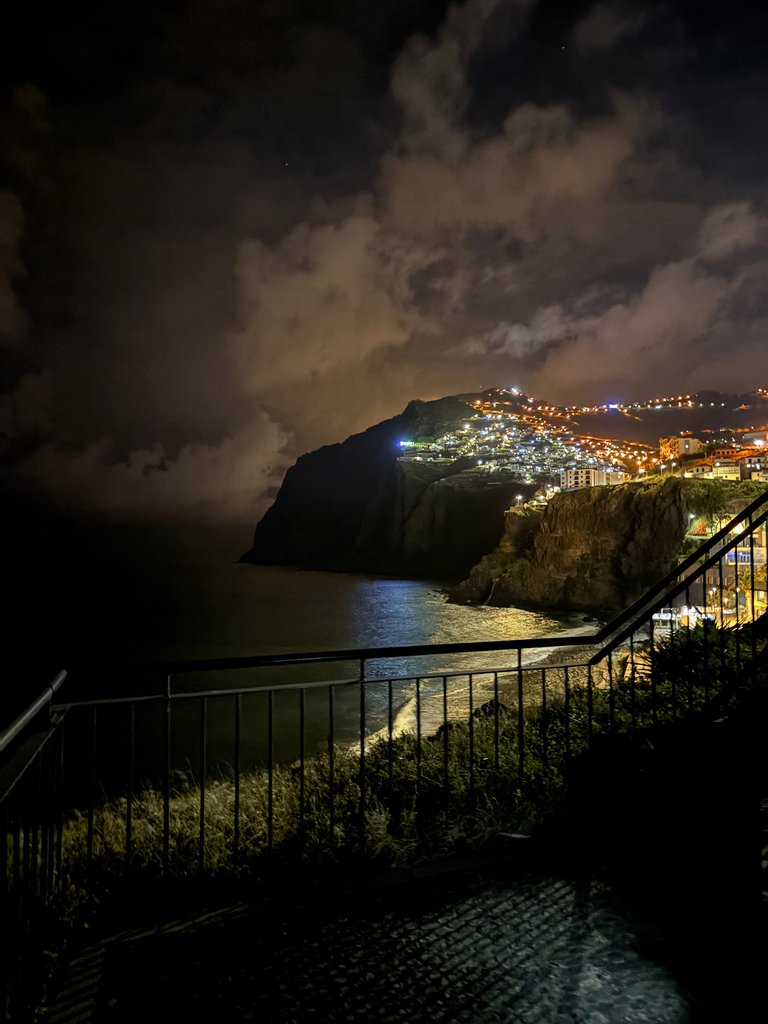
(108, 594)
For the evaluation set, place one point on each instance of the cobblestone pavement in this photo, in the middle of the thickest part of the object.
(482, 947)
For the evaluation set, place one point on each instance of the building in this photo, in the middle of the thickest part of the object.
(754, 461)
(723, 470)
(723, 452)
(699, 469)
(588, 476)
(671, 448)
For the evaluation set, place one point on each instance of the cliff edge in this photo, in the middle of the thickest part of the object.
(357, 507)
(595, 549)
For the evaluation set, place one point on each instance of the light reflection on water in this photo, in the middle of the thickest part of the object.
(284, 611)
(198, 606)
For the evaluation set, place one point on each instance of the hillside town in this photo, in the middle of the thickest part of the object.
(507, 432)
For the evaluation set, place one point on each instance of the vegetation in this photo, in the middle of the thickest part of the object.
(408, 799)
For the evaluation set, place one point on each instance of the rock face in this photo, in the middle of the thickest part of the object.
(593, 550)
(357, 507)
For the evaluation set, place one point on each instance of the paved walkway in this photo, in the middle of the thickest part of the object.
(482, 946)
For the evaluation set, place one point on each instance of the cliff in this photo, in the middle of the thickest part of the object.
(592, 550)
(357, 507)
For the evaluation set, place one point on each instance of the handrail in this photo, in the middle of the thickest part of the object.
(361, 654)
(10, 733)
(642, 602)
(150, 698)
(647, 606)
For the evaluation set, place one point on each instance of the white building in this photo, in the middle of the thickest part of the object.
(588, 476)
(726, 471)
(704, 470)
(751, 464)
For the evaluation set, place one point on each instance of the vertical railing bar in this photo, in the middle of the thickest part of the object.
(590, 708)
(673, 675)
(390, 753)
(611, 695)
(705, 634)
(270, 769)
(471, 735)
(363, 758)
(567, 702)
(35, 851)
(331, 780)
(736, 594)
(15, 906)
(237, 755)
(418, 734)
(632, 687)
(520, 712)
(59, 801)
(652, 668)
(543, 719)
(46, 800)
(721, 584)
(91, 791)
(496, 720)
(203, 772)
(445, 733)
(302, 764)
(37, 825)
(5, 912)
(26, 866)
(16, 859)
(688, 671)
(131, 785)
(752, 635)
(52, 810)
(167, 775)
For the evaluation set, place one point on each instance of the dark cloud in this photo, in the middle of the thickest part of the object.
(233, 232)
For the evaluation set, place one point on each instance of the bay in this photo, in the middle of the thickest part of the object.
(109, 594)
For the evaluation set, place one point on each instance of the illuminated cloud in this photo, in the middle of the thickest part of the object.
(606, 24)
(281, 228)
(223, 482)
(728, 229)
(324, 296)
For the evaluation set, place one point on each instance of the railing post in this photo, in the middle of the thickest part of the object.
(167, 774)
(236, 771)
(362, 727)
(202, 771)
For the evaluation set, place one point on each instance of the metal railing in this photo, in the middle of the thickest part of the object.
(219, 764)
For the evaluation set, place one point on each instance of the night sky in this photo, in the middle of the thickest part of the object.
(233, 231)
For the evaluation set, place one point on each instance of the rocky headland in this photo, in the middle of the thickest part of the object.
(440, 491)
(595, 549)
(358, 507)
